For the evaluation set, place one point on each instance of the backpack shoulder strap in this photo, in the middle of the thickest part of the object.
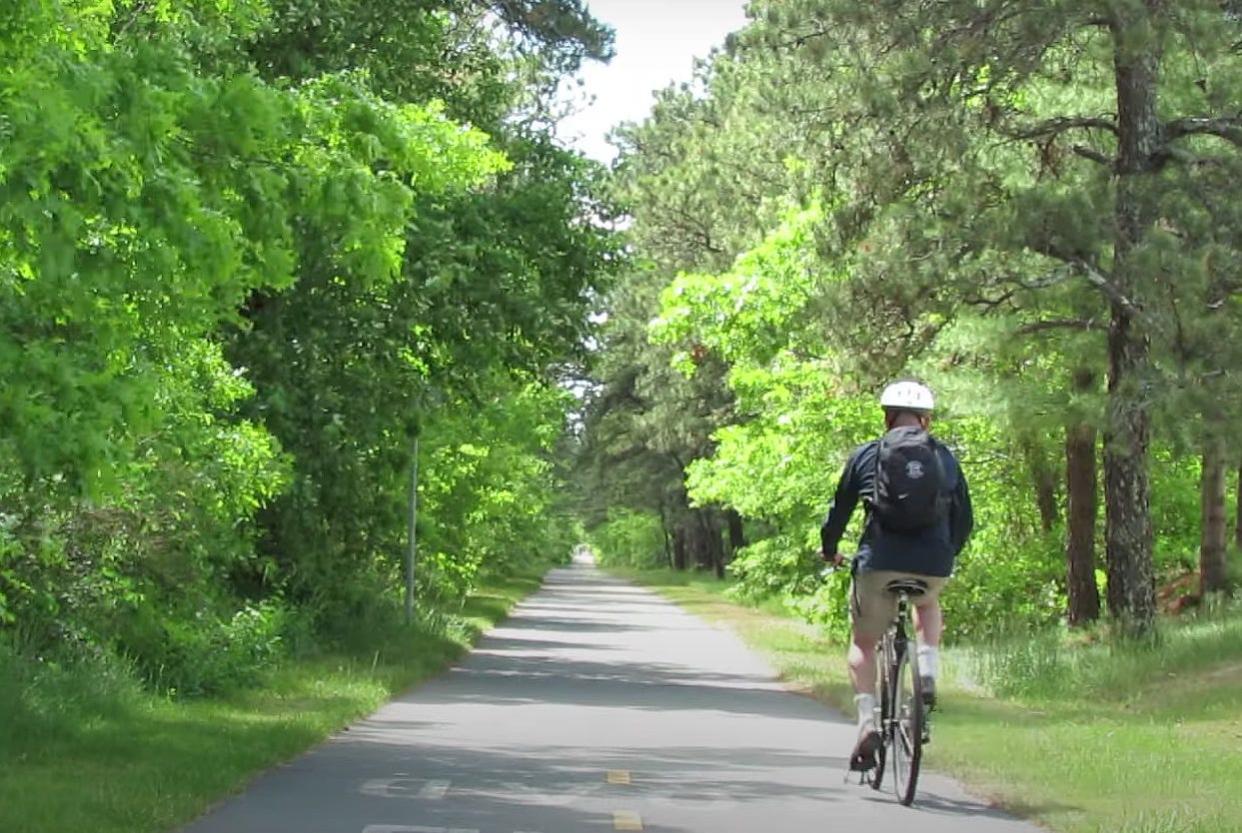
(869, 500)
(948, 463)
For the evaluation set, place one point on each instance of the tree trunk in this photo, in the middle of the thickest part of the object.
(1044, 481)
(1128, 531)
(1081, 487)
(1212, 542)
(680, 560)
(696, 542)
(716, 540)
(698, 553)
(1237, 529)
(737, 533)
(708, 546)
(668, 537)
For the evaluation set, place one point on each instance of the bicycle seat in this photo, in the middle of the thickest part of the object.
(909, 586)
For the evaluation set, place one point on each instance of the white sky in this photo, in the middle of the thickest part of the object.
(656, 43)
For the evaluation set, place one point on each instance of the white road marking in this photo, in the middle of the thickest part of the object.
(411, 788)
(704, 801)
(387, 787)
(434, 790)
(402, 828)
(516, 793)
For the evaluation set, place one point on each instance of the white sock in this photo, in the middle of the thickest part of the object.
(929, 661)
(866, 709)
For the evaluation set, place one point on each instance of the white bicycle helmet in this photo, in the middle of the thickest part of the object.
(908, 396)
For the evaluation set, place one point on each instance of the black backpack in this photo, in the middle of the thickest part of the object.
(911, 484)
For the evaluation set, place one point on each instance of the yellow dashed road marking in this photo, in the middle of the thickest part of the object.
(618, 776)
(626, 820)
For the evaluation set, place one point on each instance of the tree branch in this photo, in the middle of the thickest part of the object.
(802, 40)
(1101, 282)
(1171, 153)
(1057, 324)
(1051, 279)
(1057, 126)
(1227, 128)
(1094, 155)
(1013, 285)
(1094, 276)
(991, 303)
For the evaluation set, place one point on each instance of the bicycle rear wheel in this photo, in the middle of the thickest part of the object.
(907, 724)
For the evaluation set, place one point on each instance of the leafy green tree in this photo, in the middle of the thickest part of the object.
(644, 424)
(490, 488)
(244, 257)
(977, 227)
(488, 279)
(146, 194)
(1014, 72)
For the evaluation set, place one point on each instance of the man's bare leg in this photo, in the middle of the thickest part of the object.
(862, 675)
(929, 622)
(929, 625)
(862, 665)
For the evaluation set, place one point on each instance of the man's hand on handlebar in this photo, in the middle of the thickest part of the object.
(832, 563)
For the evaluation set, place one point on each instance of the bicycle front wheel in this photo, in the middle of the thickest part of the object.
(907, 725)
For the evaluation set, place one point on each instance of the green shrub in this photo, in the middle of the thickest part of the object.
(1018, 583)
(774, 567)
(629, 539)
(827, 605)
(205, 652)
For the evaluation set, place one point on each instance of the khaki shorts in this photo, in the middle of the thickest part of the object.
(872, 608)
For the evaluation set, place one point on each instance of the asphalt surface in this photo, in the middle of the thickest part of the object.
(597, 706)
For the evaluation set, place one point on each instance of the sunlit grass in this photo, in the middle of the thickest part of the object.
(1082, 736)
(92, 751)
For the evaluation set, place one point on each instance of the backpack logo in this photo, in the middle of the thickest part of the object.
(914, 470)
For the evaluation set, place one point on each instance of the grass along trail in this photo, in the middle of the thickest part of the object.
(89, 752)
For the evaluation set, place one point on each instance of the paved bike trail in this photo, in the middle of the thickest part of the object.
(597, 706)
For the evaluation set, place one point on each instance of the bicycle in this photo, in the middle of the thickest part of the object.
(900, 714)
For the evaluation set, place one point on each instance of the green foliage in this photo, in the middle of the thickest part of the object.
(238, 276)
(935, 195)
(1086, 667)
(993, 583)
(489, 490)
(777, 567)
(206, 653)
(629, 539)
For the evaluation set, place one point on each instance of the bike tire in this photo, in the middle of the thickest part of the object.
(906, 728)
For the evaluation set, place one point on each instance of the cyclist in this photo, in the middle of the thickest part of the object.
(918, 519)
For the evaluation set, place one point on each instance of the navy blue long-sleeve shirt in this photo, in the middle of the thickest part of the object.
(929, 552)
